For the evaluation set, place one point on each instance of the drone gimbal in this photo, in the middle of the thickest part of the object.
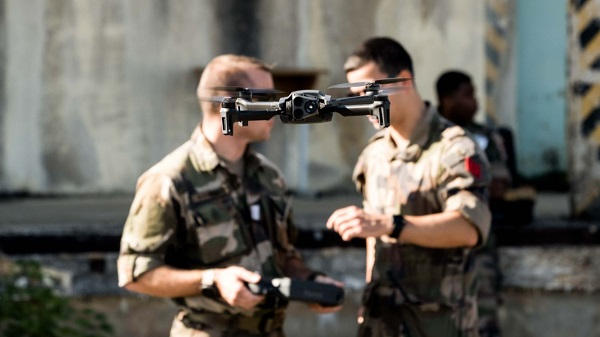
(305, 106)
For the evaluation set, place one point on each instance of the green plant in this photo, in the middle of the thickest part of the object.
(29, 307)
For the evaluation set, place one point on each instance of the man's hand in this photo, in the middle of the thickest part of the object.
(230, 282)
(351, 222)
(316, 307)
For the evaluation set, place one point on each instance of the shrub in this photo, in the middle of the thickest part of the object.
(29, 307)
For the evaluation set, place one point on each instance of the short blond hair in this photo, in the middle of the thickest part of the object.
(227, 70)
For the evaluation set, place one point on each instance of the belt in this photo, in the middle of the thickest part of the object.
(265, 322)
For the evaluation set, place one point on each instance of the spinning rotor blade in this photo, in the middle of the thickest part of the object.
(392, 80)
(390, 91)
(214, 99)
(252, 91)
(364, 84)
(348, 85)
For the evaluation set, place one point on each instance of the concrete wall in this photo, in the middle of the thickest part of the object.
(541, 86)
(500, 65)
(95, 92)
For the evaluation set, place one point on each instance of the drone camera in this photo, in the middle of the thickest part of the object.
(303, 107)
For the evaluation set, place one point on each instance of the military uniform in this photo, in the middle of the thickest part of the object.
(486, 265)
(417, 291)
(191, 211)
(492, 144)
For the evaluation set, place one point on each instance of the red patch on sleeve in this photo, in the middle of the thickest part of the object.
(473, 167)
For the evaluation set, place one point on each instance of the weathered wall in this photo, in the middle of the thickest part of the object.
(500, 63)
(541, 44)
(584, 110)
(95, 92)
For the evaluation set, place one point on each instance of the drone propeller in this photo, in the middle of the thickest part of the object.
(251, 91)
(364, 84)
(392, 80)
(390, 91)
(213, 99)
(348, 85)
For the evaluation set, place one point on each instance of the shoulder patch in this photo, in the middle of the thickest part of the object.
(473, 166)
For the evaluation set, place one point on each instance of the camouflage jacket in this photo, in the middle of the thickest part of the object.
(492, 144)
(191, 212)
(440, 169)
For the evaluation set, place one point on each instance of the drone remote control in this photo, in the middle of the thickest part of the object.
(299, 290)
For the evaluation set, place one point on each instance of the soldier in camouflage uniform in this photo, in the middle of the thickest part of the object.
(211, 216)
(457, 102)
(423, 182)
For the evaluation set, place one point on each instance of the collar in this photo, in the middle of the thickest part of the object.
(204, 158)
(203, 155)
(419, 138)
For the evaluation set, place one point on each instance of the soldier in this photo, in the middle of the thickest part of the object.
(212, 216)
(423, 183)
(457, 102)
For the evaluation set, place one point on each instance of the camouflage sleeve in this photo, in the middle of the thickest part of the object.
(464, 180)
(287, 232)
(148, 230)
(358, 175)
(496, 155)
(290, 259)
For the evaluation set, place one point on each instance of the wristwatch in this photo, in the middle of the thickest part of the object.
(208, 279)
(399, 224)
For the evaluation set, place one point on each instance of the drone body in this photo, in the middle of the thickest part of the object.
(305, 106)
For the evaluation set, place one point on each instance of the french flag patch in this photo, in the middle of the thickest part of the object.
(473, 167)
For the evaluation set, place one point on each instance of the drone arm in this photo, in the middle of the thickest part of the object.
(242, 110)
(357, 110)
(245, 105)
(256, 111)
(355, 100)
(255, 115)
(377, 108)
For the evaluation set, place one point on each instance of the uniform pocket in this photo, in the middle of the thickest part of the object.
(424, 275)
(220, 231)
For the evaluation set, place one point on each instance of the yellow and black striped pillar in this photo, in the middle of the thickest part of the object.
(497, 31)
(584, 105)
(587, 16)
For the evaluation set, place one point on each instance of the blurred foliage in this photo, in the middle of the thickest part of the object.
(29, 307)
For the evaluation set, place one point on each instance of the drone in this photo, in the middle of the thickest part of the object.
(304, 106)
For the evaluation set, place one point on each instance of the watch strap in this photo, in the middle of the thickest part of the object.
(399, 224)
